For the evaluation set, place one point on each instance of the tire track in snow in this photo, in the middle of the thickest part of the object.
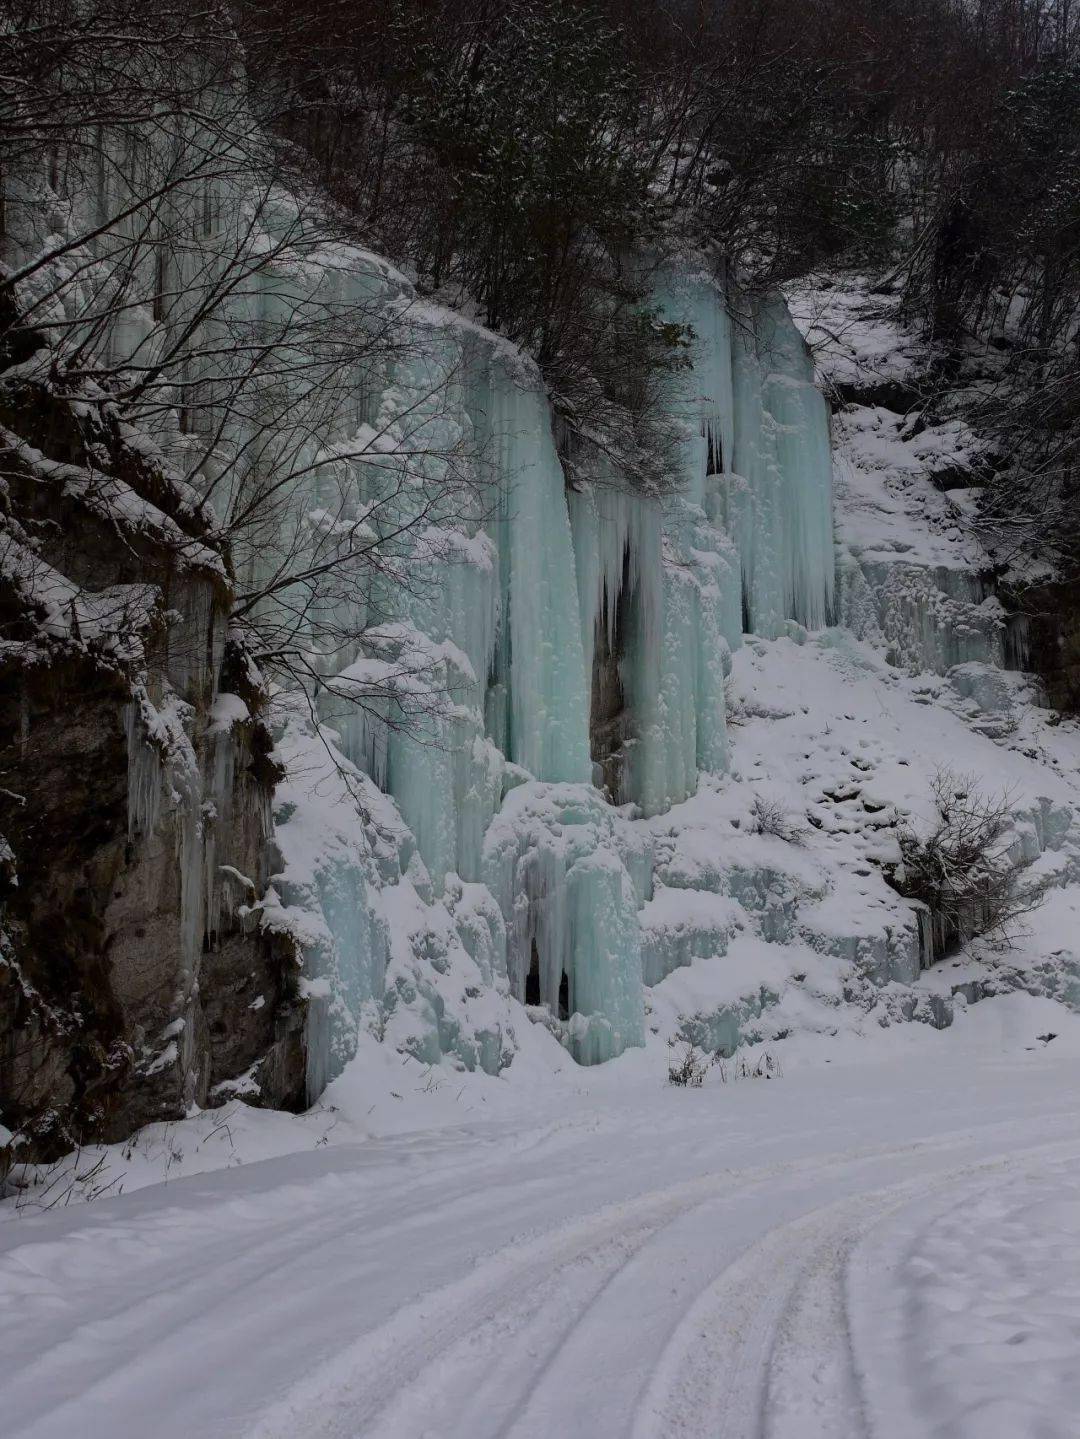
(767, 1351)
(409, 1371)
(713, 1379)
(526, 1346)
(405, 1365)
(912, 1380)
(556, 1333)
(87, 1358)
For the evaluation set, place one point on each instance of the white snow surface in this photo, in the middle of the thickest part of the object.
(884, 1240)
(855, 330)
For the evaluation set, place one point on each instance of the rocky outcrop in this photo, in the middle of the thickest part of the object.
(1046, 630)
(135, 795)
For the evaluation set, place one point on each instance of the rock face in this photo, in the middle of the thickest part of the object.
(1048, 634)
(136, 786)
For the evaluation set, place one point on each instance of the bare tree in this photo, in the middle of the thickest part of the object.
(170, 266)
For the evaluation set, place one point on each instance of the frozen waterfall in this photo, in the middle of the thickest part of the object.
(506, 672)
(557, 652)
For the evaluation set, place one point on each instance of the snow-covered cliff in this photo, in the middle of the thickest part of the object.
(506, 787)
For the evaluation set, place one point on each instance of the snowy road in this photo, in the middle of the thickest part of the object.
(891, 1251)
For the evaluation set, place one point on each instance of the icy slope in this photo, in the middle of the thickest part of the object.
(844, 746)
(836, 738)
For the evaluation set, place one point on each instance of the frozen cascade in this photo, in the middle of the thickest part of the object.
(617, 553)
(618, 550)
(456, 676)
(570, 874)
(513, 694)
(322, 897)
(679, 703)
(488, 654)
(804, 461)
(540, 720)
(441, 770)
(927, 598)
(743, 541)
(764, 470)
(557, 859)
(676, 691)
(932, 617)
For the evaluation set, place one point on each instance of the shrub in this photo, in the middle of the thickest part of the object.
(688, 1071)
(962, 871)
(765, 1067)
(768, 816)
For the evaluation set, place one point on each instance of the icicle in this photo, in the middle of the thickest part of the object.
(556, 859)
(144, 777)
(160, 753)
(217, 817)
(1018, 643)
(804, 461)
(756, 457)
(541, 661)
(191, 861)
(617, 552)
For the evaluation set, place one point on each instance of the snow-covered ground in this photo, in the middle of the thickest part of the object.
(883, 1240)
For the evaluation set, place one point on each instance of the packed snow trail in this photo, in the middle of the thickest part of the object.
(739, 1261)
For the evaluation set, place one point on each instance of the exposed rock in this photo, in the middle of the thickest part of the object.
(134, 798)
(1047, 629)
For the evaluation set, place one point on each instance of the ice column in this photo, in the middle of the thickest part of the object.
(538, 715)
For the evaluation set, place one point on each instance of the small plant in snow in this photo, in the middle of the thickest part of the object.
(55, 1186)
(764, 1067)
(768, 816)
(689, 1070)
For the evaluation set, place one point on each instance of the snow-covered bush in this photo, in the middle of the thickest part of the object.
(962, 870)
(688, 1070)
(768, 816)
